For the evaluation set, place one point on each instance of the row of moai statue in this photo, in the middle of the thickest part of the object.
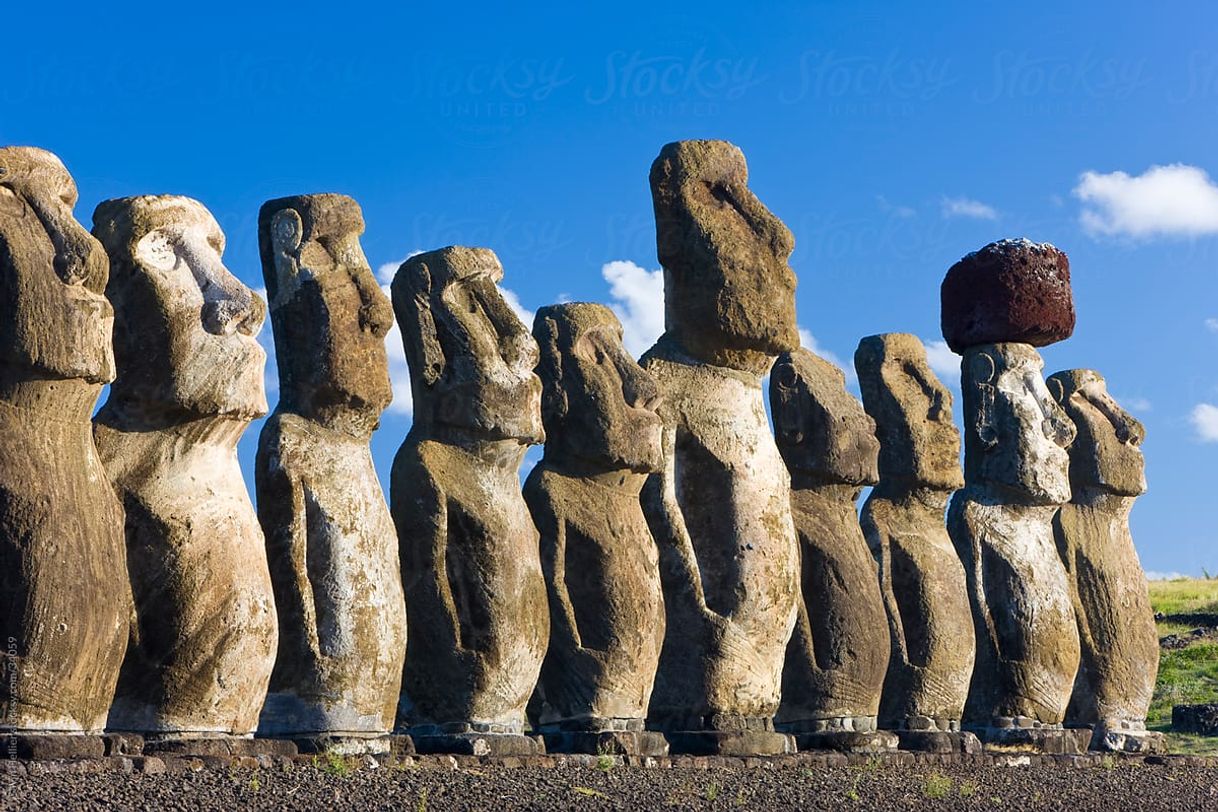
(674, 574)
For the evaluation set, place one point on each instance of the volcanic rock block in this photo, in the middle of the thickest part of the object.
(330, 539)
(1116, 624)
(471, 570)
(921, 577)
(1016, 477)
(65, 601)
(720, 511)
(1201, 720)
(599, 558)
(1009, 291)
(190, 380)
(836, 660)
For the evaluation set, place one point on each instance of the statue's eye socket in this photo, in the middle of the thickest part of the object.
(784, 376)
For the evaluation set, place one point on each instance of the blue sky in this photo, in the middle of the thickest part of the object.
(891, 140)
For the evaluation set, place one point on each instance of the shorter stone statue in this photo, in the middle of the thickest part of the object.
(600, 561)
(1116, 624)
(839, 653)
(921, 577)
(331, 542)
(190, 380)
(471, 570)
(65, 602)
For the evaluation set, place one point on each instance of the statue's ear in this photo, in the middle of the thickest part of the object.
(412, 305)
(1056, 389)
(983, 371)
(554, 403)
(287, 233)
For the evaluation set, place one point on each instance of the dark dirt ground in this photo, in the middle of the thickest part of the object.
(1110, 786)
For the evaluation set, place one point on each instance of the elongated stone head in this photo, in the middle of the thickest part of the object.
(1106, 454)
(328, 314)
(471, 360)
(185, 327)
(729, 294)
(598, 405)
(822, 431)
(1016, 435)
(54, 322)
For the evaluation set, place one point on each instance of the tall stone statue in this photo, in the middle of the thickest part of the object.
(836, 660)
(1016, 294)
(65, 602)
(330, 539)
(471, 569)
(720, 511)
(1116, 624)
(921, 577)
(600, 561)
(190, 380)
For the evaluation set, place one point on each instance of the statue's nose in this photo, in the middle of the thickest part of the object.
(232, 309)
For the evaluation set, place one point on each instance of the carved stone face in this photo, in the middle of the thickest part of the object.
(56, 322)
(1016, 434)
(822, 430)
(471, 360)
(185, 326)
(598, 405)
(1106, 454)
(329, 315)
(919, 443)
(728, 288)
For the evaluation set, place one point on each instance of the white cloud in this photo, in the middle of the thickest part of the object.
(1204, 418)
(967, 207)
(513, 301)
(638, 301)
(903, 212)
(1152, 575)
(1211, 325)
(399, 372)
(943, 362)
(1173, 200)
(809, 342)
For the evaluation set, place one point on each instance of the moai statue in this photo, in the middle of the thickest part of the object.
(65, 602)
(999, 304)
(720, 511)
(838, 655)
(471, 570)
(190, 380)
(330, 539)
(600, 561)
(1116, 624)
(921, 577)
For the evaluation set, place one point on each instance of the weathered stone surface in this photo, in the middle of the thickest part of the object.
(64, 596)
(1116, 624)
(599, 558)
(607, 742)
(330, 539)
(1009, 291)
(1201, 720)
(720, 511)
(51, 746)
(836, 661)
(190, 380)
(1016, 475)
(471, 570)
(921, 577)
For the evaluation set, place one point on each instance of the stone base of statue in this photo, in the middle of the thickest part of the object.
(938, 741)
(53, 746)
(475, 739)
(1025, 736)
(613, 737)
(344, 744)
(213, 744)
(848, 734)
(730, 736)
(1132, 739)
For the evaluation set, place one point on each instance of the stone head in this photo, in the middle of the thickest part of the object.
(185, 327)
(471, 360)
(56, 321)
(822, 431)
(1016, 435)
(729, 294)
(1106, 454)
(912, 409)
(328, 314)
(597, 404)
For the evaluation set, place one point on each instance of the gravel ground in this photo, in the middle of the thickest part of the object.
(1114, 786)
